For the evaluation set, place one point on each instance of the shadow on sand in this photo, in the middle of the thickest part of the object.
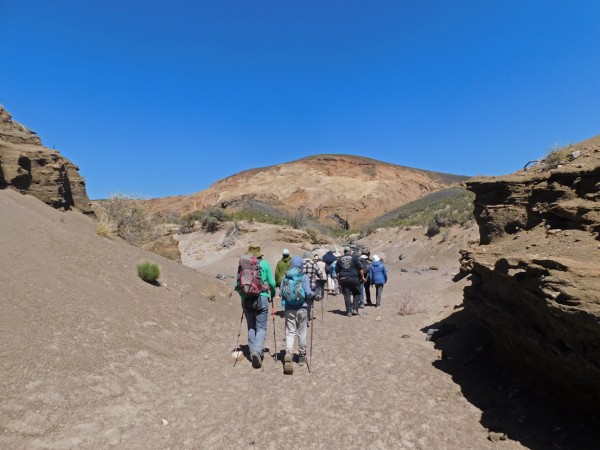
(513, 403)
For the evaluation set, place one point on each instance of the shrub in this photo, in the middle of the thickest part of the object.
(555, 155)
(409, 306)
(209, 218)
(128, 218)
(104, 229)
(148, 271)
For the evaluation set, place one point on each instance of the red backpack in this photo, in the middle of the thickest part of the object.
(249, 279)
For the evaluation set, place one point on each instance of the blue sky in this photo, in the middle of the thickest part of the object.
(160, 98)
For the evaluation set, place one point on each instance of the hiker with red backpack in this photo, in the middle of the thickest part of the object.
(296, 293)
(256, 286)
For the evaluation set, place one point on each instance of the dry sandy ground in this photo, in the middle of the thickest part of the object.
(92, 357)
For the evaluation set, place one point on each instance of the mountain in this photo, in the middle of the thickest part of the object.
(32, 168)
(352, 188)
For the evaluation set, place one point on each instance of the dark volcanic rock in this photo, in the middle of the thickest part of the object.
(536, 279)
(26, 165)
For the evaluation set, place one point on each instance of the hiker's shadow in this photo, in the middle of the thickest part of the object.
(513, 403)
(339, 312)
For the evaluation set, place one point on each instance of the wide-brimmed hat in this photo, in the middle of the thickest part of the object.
(254, 249)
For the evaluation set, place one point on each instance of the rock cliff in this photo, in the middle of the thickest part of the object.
(28, 166)
(536, 274)
(333, 188)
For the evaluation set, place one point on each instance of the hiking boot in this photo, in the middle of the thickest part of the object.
(349, 313)
(361, 306)
(256, 360)
(302, 360)
(355, 312)
(288, 368)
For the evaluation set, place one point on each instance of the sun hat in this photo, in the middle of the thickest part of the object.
(363, 256)
(254, 249)
(375, 258)
(285, 251)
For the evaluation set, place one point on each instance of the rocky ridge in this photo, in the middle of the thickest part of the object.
(32, 168)
(536, 276)
(332, 188)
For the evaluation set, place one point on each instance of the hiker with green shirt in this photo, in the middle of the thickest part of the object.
(283, 265)
(258, 280)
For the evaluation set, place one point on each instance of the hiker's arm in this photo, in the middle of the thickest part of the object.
(307, 290)
(269, 277)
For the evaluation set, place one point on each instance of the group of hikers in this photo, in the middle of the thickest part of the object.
(301, 281)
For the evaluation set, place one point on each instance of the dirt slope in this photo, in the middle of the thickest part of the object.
(355, 188)
(92, 357)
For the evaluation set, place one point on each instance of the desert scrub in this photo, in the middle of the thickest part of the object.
(148, 271)
(209, 218)
(104, 229)
(128, 217)
(556, 155)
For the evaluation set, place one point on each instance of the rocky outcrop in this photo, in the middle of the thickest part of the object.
(536, 274)
(338, 190)
(28, 166)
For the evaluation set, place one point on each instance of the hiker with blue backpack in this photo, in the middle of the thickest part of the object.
(256, 286)
(296, 294)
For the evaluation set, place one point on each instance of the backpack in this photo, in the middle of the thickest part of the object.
(249, 279)
(292, 290)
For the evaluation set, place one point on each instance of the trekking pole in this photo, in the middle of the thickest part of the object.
(274, 338)
(237, 345)
(312, 328)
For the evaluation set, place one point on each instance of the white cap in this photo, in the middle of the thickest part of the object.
(285, 251)
(363, 256)
(375, 258)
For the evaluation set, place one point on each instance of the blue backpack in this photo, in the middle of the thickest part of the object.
(292, 291)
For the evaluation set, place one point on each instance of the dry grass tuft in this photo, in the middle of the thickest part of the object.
(409, 306)
(104, 229)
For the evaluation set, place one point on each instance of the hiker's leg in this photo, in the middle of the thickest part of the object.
(362, 295)
(355, 289)
(250, 314)
(302, 322)
(368, 294)
(261, 325)
(347, 295)
(290, 329)
(379, 291)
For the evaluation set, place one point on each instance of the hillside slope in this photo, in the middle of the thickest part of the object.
(355, 188)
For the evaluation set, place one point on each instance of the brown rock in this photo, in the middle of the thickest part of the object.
(28, 166)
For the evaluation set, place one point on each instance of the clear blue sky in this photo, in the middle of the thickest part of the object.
(158, 98)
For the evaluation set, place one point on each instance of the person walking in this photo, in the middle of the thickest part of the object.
(321, 282)
(296, 292)
(256, 307)
(283, 265)
(366, 286)
(350, 274)
(378, 275)
(312, 270)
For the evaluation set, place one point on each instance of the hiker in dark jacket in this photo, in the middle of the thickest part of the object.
(378, 276)
(296, 317)
(256, 309)
(350, 274)
(366, 286)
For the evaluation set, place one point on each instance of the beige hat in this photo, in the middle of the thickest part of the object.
(254, 249)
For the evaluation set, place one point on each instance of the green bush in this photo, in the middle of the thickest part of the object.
(148, 271)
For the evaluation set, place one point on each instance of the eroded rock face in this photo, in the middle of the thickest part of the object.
(536, 278)
(339, 190)
(26, 165)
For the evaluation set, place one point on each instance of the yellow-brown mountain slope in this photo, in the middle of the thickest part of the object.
(355, 188)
